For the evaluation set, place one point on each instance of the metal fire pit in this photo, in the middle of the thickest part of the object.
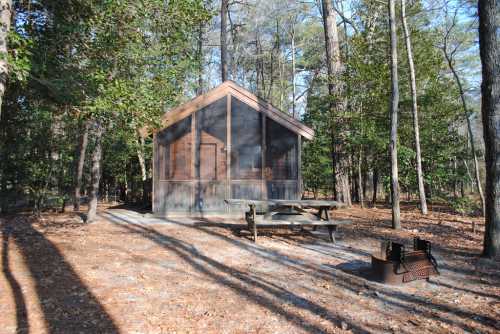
(395, 265)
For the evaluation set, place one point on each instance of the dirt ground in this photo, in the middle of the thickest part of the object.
(129, 273)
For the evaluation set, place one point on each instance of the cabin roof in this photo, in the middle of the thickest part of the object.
(230, 87)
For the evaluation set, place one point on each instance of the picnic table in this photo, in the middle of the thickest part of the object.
(281, 212)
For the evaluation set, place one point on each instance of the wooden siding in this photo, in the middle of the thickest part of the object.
(212, 158)
(209, 196)
(173, 152)
(173, 196)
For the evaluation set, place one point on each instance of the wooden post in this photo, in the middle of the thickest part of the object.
(193, 158)
(228, 149)
(263, 157)
(331, 232)
(254, 223)
(155, 176)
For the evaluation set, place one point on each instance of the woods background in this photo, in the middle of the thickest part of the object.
(81, 78)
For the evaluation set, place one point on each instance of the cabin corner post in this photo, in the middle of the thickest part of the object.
(263, 157)
(155, 177)
(228, 149)
(300, 185)
(193, 160)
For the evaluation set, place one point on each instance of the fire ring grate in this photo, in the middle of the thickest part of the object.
(395, 265)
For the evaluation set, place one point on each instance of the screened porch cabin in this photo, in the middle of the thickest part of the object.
(227, 143)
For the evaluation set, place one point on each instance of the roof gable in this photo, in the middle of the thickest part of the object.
(231, 88)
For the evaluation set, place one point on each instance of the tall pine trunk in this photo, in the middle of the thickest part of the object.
(294, 85)
(82, 151)
(337, 104)
(490, 110)
(375, 187)
(477, 177)
(199, 89)
(5, 18)
(96, 174)
(413, 84)
(361, 190)
(396, 219)
(223, 39)
(142, 165)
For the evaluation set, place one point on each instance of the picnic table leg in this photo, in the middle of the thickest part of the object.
(331, 229)
(331, 232)
(327, 217)
(252, 224)
(320, 214)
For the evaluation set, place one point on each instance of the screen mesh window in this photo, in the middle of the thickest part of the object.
(281, 152)
(246, 137)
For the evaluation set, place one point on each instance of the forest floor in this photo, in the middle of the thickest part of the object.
(129, 273)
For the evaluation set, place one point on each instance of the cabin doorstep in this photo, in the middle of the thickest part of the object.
(227, 143)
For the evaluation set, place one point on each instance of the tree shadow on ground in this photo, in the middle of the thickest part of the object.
(139, 208)
(67, 304)
(475, 292)
(260, 291)
(22, 324)
(292, 234)
(344, 277)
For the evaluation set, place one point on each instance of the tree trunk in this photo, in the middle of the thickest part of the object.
(199, 89)
(337, 104)
(5, 18)
(258, 85)
(413, 84)
(82, 151)
(360, 180)
(4, 198)
(476, 174)
(365, 183)
(260, 57)
(469, 127)
(332, 154)
(142, 164)
(294, 86)
(490, 110)
(455, 182)
(281, 65)
(375, 187)
(223, 39)
(96, 174)
(469, 176)
(353, 181)
(332, 46)
(273, 52)
(236, 48)
(396, 219)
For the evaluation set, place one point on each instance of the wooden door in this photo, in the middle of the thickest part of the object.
(208, 161)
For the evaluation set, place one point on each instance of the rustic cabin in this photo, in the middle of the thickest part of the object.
(227, 143)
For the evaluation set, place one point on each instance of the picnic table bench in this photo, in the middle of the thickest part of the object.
(280, 212)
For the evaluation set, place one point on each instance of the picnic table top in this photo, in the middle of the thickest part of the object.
(287, 202)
